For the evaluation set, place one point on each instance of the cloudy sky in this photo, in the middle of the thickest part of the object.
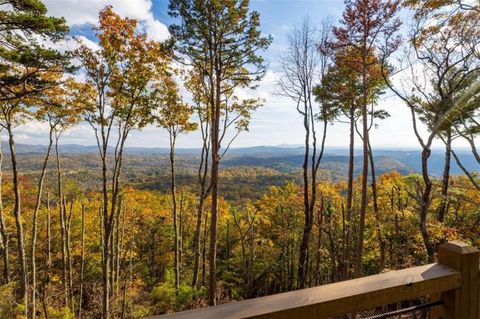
(277, 122)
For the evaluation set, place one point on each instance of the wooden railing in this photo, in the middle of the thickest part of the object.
(454, 280)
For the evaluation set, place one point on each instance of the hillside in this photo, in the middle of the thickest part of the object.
(282, 158)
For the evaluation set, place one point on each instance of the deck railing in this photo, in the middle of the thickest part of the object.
(454, 281)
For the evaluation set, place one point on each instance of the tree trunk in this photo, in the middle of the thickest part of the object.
(351, 167)
(196, 242)
(48, 258)
(363, 204)
(307, 227)
(425, 203)
(119, 236)
(62, 218)
(18, 222)
(213, 234)
(442, 208)
(376, 210)
(68, 236)
(215, 142)
(181, 232)
(204, 251)
(5, 237)
(173, 191)
(34, 228)
(318, 261)
(203, 194)
(125, 285)
(82, 263)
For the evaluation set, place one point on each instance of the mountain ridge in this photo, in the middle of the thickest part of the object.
(283, 157)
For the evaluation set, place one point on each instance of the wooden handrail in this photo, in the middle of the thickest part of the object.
(454, 280)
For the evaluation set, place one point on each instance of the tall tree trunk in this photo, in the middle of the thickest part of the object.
(173, 191)
(204, 250)
(363, 204)
(196, 242)
(48, 258)
(106, 270)
(34, 228)
(62, 219)
(203, 193)
(125, 285)
(351, 167)
(117, 251)
(215, 105)
(376, 210)
(251, 259)
(442, 208)
(5, 237)
(318, 262)
(424, 205)
(18, 222)
(213, 234)
(68, 226)
(181, 232)
(111, 275)
(82, 263)
(307, 226)
(105, 228)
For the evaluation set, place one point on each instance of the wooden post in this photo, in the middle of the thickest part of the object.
(464, 301)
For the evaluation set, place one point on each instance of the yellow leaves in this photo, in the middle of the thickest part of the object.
(122, 73)
(55, 278)
(440, 232)
(62, 105)
(173, 114)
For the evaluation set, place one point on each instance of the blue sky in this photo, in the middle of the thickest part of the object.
(277, 122)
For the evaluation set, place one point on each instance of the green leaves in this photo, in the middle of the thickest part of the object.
(24, 60)
(221, 41)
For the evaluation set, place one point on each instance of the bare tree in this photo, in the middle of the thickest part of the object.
(303, 66)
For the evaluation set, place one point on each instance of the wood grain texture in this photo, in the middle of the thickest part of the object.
(338, 298)
(463, 302)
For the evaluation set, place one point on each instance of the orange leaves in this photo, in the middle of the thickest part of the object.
(121, 75)
(114, 32)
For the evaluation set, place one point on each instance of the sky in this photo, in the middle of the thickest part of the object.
(276, 123)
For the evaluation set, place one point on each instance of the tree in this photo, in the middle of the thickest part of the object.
(25, 60)
(221, 40)
(24, 63)
(200, 96)
(120, 76)
(446, 59)
(341, 93)
(244, 220)
(4, 233)
(174, 116)
(466, 125)
(302, 65)
(55, 107)
(368, 26)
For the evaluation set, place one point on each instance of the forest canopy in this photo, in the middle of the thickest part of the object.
(108, 234)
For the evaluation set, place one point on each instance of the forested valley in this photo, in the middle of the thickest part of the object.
(110, 232)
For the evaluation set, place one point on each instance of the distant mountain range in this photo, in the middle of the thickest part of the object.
(288, 157)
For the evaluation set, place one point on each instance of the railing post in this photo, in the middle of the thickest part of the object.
(464, 301)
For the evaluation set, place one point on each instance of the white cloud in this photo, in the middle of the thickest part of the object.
(81, 12)
(71, 43)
